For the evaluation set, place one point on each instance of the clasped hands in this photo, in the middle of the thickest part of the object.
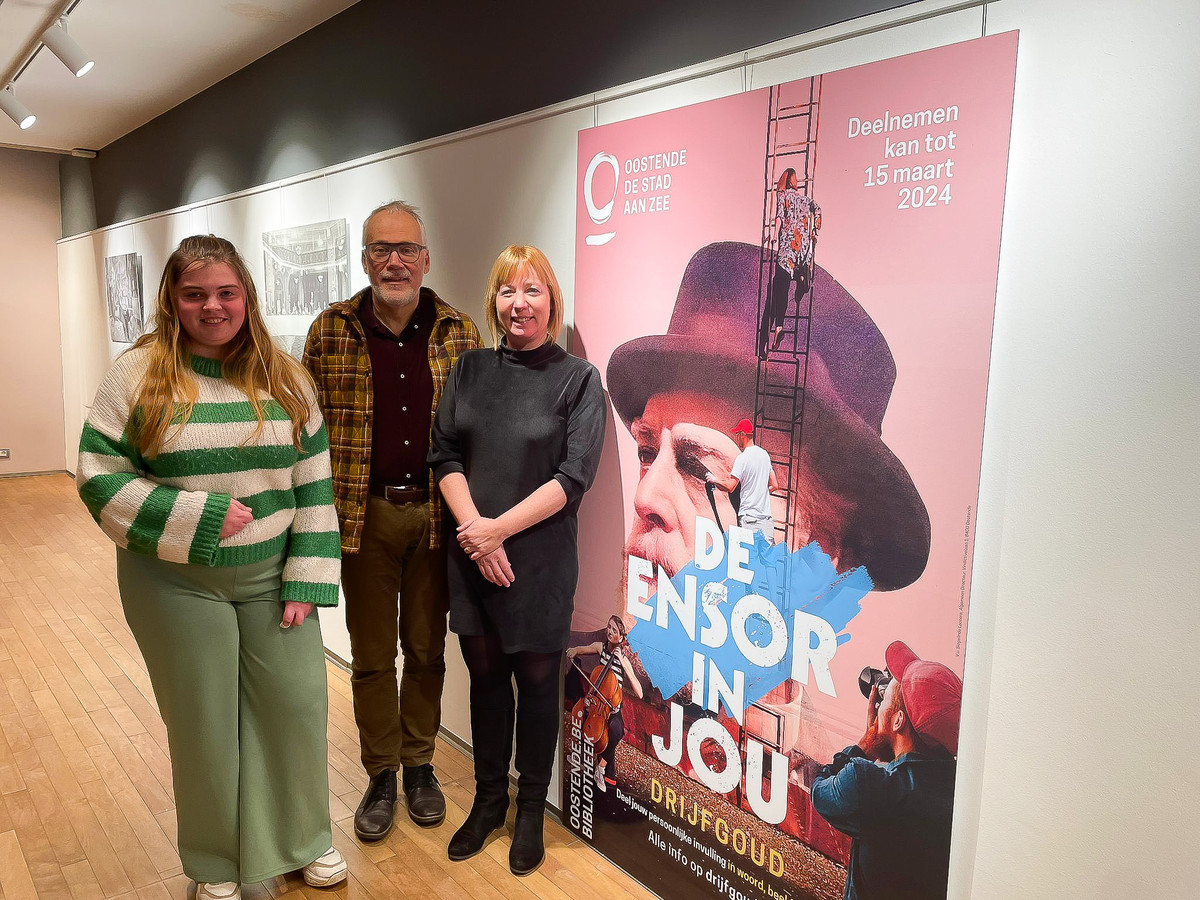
(483, 541)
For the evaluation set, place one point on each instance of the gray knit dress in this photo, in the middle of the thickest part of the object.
(511, 420)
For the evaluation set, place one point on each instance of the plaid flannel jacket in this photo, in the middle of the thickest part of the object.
(336, 355)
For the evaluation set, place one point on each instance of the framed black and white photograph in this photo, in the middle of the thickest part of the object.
(123, 292)
(305, 268)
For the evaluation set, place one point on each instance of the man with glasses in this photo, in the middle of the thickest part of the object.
(380, 361)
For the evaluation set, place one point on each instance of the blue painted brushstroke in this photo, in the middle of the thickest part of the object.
(801, 580)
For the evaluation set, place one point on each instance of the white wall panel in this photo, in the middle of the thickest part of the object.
(1089, 494)
(115, 242)
(155, 238)
(654, 99)
(84, 328)
(243, 221)
(302, 202)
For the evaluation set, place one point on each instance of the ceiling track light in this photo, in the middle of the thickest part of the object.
(64, 47)
(15, 109)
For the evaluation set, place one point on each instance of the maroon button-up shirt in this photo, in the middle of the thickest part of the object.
(400, 436)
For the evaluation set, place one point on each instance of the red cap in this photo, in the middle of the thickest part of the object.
(743, 427)
(932, 695)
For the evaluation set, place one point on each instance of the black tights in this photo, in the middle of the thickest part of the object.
(494, 711)
(616, 731)
(776, 307)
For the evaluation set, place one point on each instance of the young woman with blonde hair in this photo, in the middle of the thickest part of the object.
(204, 458)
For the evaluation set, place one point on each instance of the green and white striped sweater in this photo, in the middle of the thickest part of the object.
(173, 506)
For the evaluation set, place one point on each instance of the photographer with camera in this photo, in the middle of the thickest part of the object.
(893, 792)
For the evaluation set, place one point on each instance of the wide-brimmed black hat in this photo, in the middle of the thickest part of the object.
(711, 347)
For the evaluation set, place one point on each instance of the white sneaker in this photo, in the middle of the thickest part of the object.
(218, 890)
(600, 775)
(329, 868)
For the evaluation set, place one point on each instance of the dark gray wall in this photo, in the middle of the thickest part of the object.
(78, 205)
(384, 74)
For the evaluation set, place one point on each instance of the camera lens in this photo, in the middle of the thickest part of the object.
(871, 677)
(866, 680)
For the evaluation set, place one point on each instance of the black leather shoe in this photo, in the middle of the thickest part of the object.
(426, 805)
(484, 818)
(375, 816)
(528, 848)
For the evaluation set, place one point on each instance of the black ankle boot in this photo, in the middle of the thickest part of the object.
(528, 846)
(485, 817)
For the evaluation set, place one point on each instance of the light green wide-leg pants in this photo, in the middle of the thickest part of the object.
(245, 706)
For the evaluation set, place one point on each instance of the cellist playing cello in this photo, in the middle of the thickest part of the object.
(613, 658)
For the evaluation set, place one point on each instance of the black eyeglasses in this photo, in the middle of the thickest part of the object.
(379, 252)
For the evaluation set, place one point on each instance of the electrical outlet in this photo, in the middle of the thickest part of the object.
(4, 453)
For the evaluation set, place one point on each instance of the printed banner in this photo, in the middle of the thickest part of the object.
(790, 295)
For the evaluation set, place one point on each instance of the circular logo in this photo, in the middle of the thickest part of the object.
(600, 214)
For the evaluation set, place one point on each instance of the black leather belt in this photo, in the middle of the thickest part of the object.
(402, 493)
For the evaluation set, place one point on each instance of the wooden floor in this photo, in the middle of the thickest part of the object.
(86, 808)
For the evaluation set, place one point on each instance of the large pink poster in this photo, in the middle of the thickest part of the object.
(790, 295)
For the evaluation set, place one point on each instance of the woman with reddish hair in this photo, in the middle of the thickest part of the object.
(515, 443)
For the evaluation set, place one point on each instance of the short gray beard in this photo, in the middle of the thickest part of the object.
(394, 304)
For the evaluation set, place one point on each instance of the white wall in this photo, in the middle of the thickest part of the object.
(1081, 736)
(31, 421)
(1075, 776)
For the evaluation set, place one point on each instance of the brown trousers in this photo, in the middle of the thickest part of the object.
(395, 588)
